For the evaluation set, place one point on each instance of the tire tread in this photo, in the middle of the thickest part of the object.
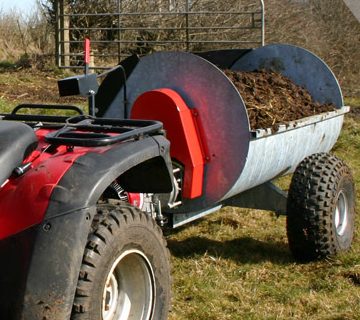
(310, 206)
(109, 220)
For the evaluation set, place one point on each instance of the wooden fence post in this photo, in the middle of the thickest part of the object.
(63, 23)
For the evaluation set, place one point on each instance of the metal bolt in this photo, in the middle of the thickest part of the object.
(47, 227)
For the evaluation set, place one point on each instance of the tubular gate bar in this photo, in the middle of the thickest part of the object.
(119, 28)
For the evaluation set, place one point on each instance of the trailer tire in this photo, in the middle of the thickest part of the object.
(125, 273)
(320, 208)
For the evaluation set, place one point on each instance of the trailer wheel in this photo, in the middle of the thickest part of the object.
(125, 273)
(320, 208)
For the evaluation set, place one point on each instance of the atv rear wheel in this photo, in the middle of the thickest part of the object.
(125, 274)
(320, 208)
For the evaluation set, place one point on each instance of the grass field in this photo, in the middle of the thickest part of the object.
(236, 264)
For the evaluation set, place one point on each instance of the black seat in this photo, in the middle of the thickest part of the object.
(17, 141)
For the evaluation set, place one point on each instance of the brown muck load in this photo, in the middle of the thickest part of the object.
(272, 99)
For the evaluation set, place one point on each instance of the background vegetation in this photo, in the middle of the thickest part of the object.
(234, 264)
(325, 27)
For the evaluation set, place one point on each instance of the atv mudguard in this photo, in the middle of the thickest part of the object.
(39, 267)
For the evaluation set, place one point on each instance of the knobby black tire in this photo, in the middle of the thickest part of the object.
(312, 199)
(117, 229)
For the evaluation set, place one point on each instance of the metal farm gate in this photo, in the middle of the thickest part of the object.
(119, 28)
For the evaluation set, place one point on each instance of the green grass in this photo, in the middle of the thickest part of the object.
(354, 102)
(7, 65)
(33, 87)
(6, 106)
(236, 264)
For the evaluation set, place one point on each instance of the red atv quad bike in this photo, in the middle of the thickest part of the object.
(73, 242)
(84, 198)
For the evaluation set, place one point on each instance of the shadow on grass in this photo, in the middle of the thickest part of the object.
(242, 250)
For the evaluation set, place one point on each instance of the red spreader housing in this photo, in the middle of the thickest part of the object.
(182, 130)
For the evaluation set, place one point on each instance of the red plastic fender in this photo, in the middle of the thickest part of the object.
(182, 130)
(24, 199)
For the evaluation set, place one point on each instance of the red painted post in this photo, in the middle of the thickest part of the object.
(87, 55)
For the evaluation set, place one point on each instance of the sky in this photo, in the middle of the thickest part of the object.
(24, 6)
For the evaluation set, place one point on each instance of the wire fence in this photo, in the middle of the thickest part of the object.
(120, 28)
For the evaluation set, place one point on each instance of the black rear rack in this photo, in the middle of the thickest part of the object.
(87, 131)
(36, 118)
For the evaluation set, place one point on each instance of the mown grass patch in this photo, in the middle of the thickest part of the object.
(244, 270)
(236, 264)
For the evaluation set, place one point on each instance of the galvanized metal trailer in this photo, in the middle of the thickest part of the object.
(218, 161)
(237, 159)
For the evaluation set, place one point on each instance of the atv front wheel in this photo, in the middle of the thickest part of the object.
(320, 208)
(125, 274)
